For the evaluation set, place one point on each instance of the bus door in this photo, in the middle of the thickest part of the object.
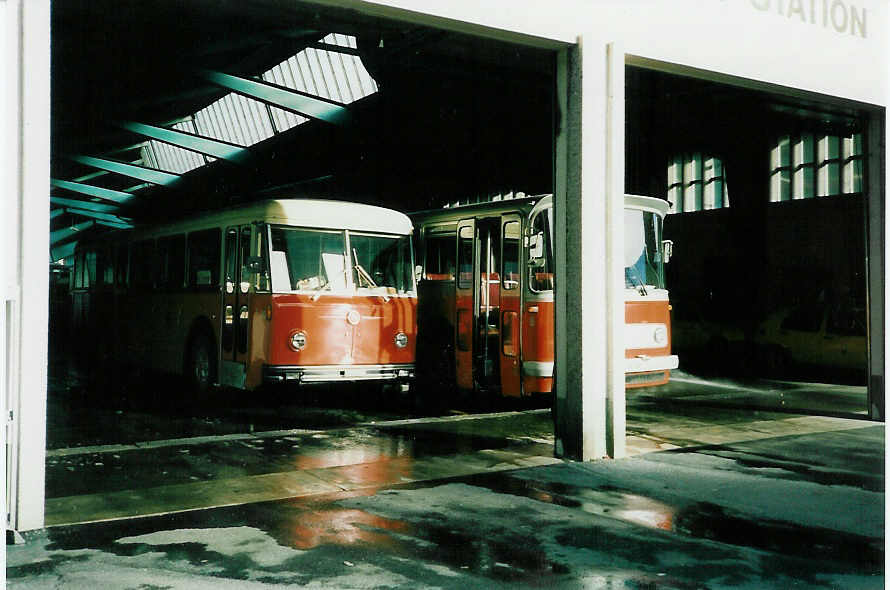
(488, 326)
(464, 304)
(510, 305)
(236, 307)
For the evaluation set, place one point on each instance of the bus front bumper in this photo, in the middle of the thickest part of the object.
(639, 364)
(645, 364)
(336, 373)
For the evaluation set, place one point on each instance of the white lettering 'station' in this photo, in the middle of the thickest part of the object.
(843, 17)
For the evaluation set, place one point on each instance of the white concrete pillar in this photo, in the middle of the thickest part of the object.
(589, 403)
(616, 406)
(25, 185)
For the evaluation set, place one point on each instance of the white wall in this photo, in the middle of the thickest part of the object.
(25, 228)
(835, 47)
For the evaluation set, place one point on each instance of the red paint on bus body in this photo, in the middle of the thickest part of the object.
(331, 339)
(648, 312)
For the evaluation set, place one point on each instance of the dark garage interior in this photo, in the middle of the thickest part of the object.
(773, 226)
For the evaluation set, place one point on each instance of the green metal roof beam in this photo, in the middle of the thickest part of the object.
(195, 143)
(98, 216)
(133, 189)
(299, 102)
(64, 251)
(139, 172)
(335, 48)
(55, 213)
(86, 205)
(93, 191)
(67, 232)
(114, 224)
(90, 176)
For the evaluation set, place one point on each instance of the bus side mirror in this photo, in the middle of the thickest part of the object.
(668, 248)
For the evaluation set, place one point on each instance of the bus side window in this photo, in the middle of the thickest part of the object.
(90, 276)
(105, 266)
(78, 270)
(204, 258)
(465, 258)
(122, 257)
(142, 269)
(171, 262)
(263, 283)
(510, 278)
(440, 256)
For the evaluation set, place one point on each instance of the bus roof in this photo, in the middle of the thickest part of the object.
(524, 204)
(313, 213)
(653, 204)
(445, 214)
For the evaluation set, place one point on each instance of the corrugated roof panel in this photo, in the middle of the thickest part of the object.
(148, 156)
(285, 120)
(333, 75)
(236, 119)
(206, 124)
(233, 119)
(175, 159)
(340, 40)
(303, 75)
(222, 127)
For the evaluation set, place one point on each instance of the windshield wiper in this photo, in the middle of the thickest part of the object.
(629, 273)
(363, 274)
(327, 285)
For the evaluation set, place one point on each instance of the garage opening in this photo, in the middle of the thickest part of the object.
(770, 198)
(382, 113)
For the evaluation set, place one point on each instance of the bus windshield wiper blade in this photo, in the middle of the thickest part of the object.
(629, 273)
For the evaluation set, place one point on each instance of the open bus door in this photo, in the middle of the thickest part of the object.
(510, 305)
(464, 305)
(236, 307)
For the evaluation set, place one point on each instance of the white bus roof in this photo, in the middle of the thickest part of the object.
(653, 204)
(659, 206)
(314, 213)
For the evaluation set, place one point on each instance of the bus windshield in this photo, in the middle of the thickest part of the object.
(541, 256)
(317, 260)
(382, 262)
(643, 263)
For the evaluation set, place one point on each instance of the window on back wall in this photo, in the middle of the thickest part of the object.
(696, 182)
(815, 165)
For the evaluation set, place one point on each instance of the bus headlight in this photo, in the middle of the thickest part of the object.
(660, 335)
(401, 340)
(298, 341)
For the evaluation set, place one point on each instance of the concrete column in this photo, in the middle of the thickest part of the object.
(26, 27)
(616, 404)
(589, 401)
(876, 174)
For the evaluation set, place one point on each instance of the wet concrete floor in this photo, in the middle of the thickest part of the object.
(355, 491)
(154, 476)
(767, 513)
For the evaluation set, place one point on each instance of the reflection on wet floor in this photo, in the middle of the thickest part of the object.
(369, 455)
(825, 399)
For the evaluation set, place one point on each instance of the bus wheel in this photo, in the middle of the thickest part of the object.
(200, 365)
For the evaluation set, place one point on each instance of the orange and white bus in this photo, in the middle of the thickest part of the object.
(486, 303)
(279, 291)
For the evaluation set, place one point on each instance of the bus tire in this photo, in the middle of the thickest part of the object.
(200, 364)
